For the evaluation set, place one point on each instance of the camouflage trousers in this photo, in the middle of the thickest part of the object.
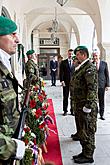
(86, 127)
(17, 162)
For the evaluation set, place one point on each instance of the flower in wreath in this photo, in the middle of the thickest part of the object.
(28, 136)
(38, 113)
(31, 151)
(45, 105)
(32, 103)
(37, 100)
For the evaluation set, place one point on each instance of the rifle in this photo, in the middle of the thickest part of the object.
(23, 114)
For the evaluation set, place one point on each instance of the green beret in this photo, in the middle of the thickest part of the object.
(29, 52)
(73, 57)
(7, 26)
(81, 48)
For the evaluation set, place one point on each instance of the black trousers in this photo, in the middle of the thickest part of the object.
(66, 91)
(101, 94)
(53, 77)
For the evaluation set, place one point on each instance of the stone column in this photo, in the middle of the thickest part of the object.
(105, 53)
(36, 45)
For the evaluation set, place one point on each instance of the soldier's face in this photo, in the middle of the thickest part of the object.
(34, 56)
(8, 43)
(80, 57)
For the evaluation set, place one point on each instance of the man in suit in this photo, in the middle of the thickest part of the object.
(103, 81)
(53, 70)
(66, 69)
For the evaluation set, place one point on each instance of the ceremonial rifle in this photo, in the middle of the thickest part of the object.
(23, 114)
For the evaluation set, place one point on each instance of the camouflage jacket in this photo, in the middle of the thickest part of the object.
(9, 115)
(83, 85)
(31, 70)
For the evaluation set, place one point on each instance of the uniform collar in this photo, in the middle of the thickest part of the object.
(4, 58)
(78, 67)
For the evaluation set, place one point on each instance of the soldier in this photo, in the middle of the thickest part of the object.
(84, 97)
(31, 68)
(9, 116)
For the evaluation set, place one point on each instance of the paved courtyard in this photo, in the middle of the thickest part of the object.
(66, 126)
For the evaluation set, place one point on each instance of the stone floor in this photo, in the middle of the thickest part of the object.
(66, 126)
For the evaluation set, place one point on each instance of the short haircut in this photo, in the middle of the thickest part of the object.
(70, 50)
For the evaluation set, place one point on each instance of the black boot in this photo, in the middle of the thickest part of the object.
(75, 137)
(77, 156)
(83, 159)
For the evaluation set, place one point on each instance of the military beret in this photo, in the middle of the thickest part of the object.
(73, 57)
(7, 26)
(29, 52)
(81, 48)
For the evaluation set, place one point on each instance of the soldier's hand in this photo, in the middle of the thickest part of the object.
(63, 84)
(86, 110)
(20, 150)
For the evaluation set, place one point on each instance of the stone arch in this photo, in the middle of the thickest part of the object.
(34, 20)
(5, 12)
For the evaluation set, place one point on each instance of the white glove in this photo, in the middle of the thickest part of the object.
(20, 151)
(54, 70)
(86, 110)
(63, 84)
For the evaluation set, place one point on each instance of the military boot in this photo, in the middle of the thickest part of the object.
(83, 159)
(78, 156)
(75, 137)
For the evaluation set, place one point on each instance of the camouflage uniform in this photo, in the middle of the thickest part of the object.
(84, 93)
(9, 116)
(32, 72)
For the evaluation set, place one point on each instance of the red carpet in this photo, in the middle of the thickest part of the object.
(53, 146)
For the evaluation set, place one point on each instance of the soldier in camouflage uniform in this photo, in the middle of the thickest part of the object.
(31, 68)
(9, 116)
(84, 97)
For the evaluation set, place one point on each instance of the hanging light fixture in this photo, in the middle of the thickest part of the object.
(61, 2)
(54, 27)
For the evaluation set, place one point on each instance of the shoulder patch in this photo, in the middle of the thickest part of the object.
(4, 84)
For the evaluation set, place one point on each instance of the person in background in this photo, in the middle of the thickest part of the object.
(66, 70)
(53, 70)
(31, 68)
(75, 136)
(9, 116)
(103, 81)
(83, 85)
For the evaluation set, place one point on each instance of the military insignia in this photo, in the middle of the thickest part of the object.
(4, 84)
(77, 49)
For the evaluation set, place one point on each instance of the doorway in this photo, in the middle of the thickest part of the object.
(44, 58)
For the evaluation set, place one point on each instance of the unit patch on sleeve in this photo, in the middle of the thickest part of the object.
(4, 83)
